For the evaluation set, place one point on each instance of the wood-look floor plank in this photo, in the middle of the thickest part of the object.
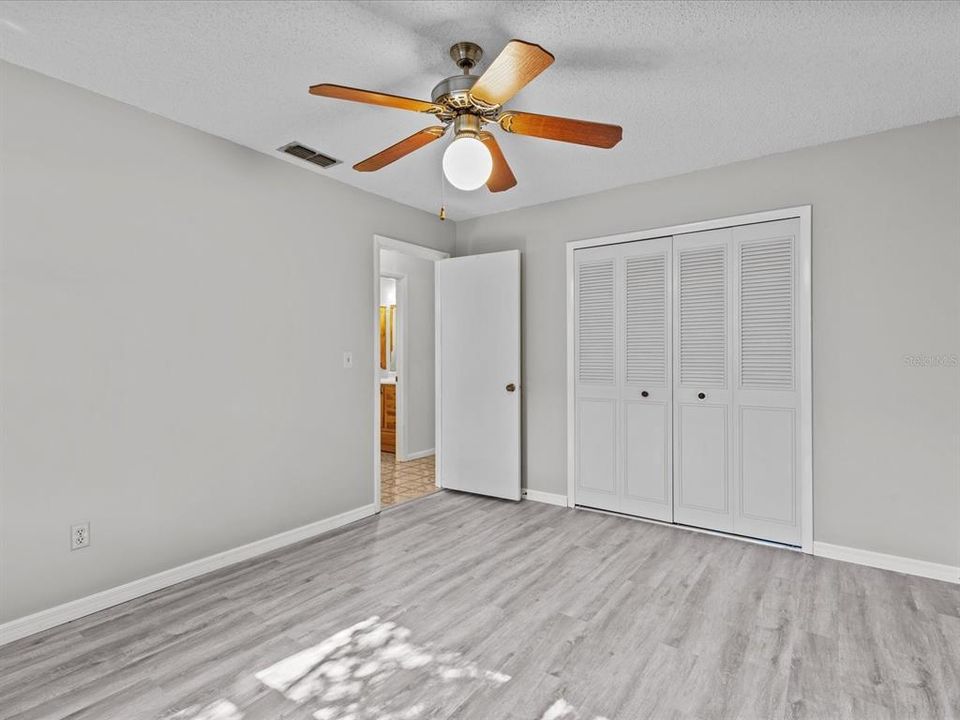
(457, 606)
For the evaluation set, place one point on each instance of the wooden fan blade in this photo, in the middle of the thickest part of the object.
(342, 92)
(551, 127)
(404, 147)
(501, 177)
(517, 64)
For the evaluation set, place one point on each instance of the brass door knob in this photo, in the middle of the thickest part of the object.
(511, 387)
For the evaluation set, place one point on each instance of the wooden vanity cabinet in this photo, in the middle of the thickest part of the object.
(388, 417)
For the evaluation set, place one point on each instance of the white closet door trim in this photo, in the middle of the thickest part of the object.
(804, 356)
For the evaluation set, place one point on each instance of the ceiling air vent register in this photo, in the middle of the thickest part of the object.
(309, 154)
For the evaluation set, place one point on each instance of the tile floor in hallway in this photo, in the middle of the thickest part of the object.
(402, 481)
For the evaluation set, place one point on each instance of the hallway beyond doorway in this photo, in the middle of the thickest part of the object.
(402, 481)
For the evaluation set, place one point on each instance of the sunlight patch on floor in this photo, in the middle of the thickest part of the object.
(340, 674)
(562, 710)
(217, 710)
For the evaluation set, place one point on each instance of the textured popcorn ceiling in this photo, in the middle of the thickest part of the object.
(694, 84)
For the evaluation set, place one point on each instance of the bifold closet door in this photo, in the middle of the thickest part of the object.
(736, 393)
(701, 391)
(623, 378)
(766, 402)
(596, 329)
(646, 388)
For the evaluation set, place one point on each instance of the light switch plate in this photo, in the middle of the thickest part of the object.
(348, 359)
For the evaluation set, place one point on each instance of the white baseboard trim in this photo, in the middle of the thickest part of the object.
(545, 497)
(923, 568)
(45, 619)
(416, 455)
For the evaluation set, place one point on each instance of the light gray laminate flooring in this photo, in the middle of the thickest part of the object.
(456, 606)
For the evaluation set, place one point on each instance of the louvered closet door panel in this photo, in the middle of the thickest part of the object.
(703, 316)
(702, 331)
(647, 391)
(766, 397)
(596, 322)
(596, 369)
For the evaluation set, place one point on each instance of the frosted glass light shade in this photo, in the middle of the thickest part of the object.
(467, 163)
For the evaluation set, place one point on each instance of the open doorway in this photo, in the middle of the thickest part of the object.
(405, 379)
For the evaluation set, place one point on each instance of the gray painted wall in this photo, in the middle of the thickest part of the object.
(174, 309)
(174, 312)
(886, 284)
(418, 351)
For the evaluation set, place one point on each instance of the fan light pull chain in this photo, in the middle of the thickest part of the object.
(443, 209)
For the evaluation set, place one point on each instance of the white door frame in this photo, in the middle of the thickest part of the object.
(805, 370)
(381, 242)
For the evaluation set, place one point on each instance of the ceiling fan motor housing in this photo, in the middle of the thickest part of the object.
(454, 92)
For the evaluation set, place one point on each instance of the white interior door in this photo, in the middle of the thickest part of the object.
(736, 388)
(703, 463)
(646, 388)
(597, 369)
(766, 399)
(622, 369)
(478, 374)
(690, 382)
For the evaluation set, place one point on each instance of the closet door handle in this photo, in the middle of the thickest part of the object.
(644, 394)
(702, 396)
(511, 387)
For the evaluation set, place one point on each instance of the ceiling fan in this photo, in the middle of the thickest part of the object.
(468, 103)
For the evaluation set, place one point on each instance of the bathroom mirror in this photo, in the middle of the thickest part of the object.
(388, 324)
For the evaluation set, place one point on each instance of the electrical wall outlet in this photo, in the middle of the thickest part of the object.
(348, 359)
(80, 536)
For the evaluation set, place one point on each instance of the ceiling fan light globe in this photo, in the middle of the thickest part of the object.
(467, 163)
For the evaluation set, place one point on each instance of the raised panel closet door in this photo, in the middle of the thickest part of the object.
(596, 378)
(701, 380)
(767, 394)
(647, 391)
